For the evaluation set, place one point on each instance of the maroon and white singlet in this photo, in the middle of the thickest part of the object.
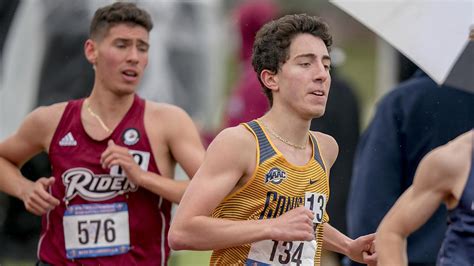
(103, 218)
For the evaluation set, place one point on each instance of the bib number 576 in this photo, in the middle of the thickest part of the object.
(98, 230)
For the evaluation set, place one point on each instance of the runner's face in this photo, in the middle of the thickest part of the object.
(304, 79)
(121, 57)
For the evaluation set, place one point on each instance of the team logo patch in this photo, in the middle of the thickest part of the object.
(94, 187)
(275, 175)
(130, 136)
(68, 140)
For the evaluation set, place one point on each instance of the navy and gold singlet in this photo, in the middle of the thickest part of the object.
(276, 187)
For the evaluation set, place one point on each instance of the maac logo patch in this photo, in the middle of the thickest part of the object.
(130, 136)
(275, 175)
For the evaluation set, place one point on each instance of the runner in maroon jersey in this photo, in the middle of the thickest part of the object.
(113, 156)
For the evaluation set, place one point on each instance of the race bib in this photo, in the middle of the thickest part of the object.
(316, 202)
(96, 230)
(142, 158)
(273, 252)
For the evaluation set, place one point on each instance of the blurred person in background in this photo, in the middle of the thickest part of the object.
(247, 100)
(410, 121)
(7, 13)
(109, 199)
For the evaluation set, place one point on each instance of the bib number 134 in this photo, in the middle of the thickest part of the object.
(289, 252)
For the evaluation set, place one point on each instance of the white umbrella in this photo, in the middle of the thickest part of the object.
(434, 34)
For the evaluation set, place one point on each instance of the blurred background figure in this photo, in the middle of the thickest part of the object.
(7, 12)
(247, 100)
(185, 64)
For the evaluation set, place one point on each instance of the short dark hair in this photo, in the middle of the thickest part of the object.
(272, 42)
(118, 12)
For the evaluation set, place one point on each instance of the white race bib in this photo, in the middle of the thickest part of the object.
(272, 252)
(96, 230)
(142, 158)
(316, 203)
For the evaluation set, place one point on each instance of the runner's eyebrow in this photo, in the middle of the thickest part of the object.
(127, 41)
(312, 56)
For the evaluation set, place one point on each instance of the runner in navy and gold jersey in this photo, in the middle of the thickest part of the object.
(260, 196)
(445, 174)
(113, 156)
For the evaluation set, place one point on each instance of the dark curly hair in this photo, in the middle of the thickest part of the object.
(118, 12)
(272, 42)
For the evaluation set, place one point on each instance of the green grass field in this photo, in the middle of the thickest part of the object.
(185, 258)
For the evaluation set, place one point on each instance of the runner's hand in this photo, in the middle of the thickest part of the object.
(36, 197)
(294, 225)
(120, 156)
(362, 250)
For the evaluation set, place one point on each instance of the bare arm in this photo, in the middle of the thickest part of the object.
(182, 143)
(334, 240)
(230, 157)
(185, 143)
(33, 136)
(430, 187)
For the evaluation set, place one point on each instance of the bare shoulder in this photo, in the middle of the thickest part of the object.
(235, 148)
(454, 156)
(43, 120)
(329, 147)
(238, 137)
(34, 134)
(325, 139)
(164, 111)
(175, 119)
(49, 114)
(445, 164)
